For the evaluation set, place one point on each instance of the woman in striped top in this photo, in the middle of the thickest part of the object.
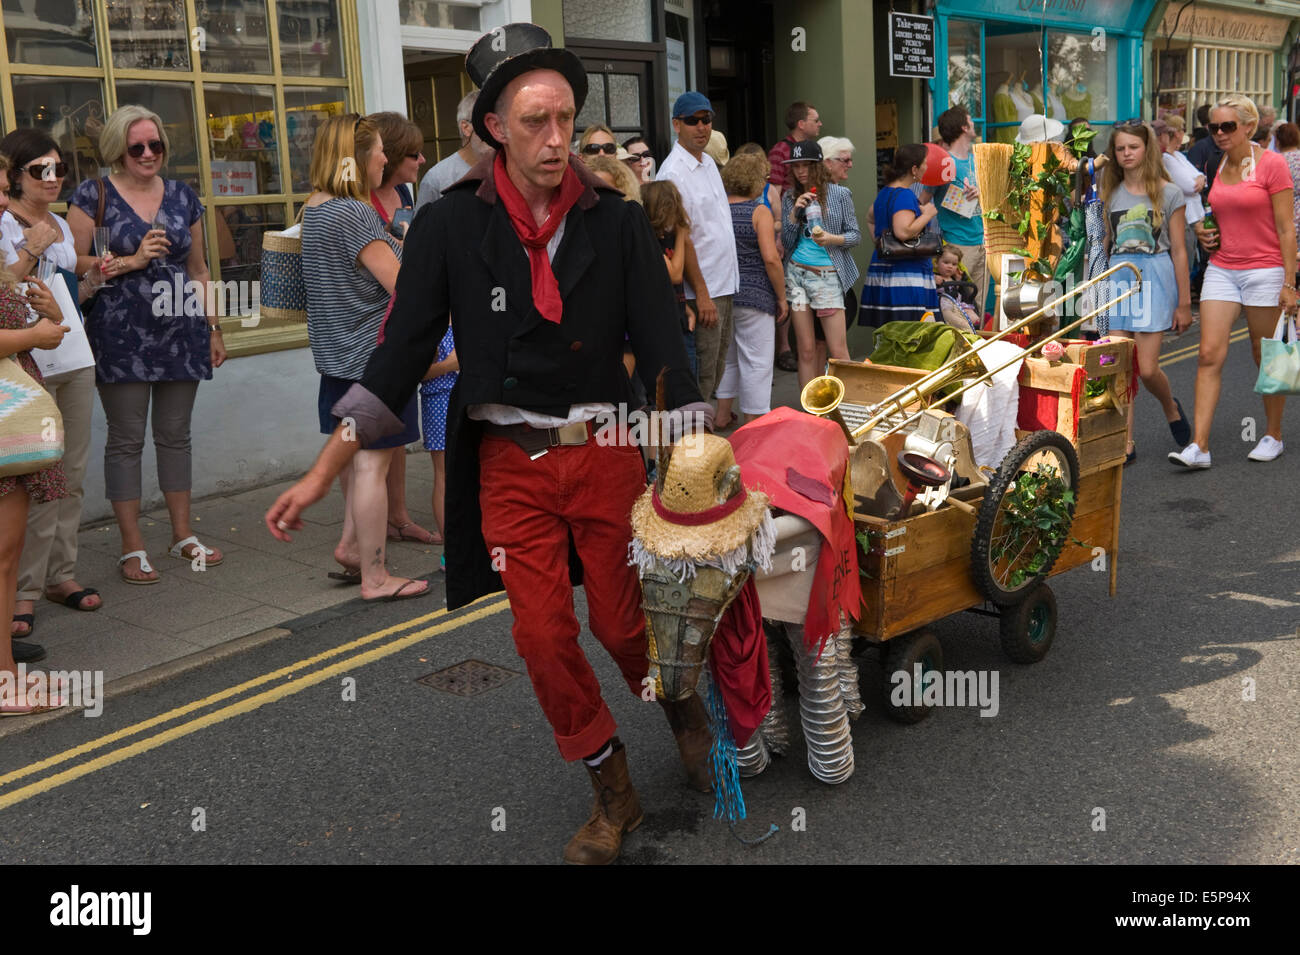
(350, 264)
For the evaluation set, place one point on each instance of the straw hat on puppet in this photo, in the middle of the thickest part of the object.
(703, 514)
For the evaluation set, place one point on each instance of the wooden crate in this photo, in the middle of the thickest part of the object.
(918, 569)
(1096, 429)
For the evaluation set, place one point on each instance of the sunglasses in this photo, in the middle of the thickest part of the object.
(40, 170)
(1215, 128)
(592, 149)
(696, 120)
(641, 157)
(412, 155)
(136, 150)
(845, 162)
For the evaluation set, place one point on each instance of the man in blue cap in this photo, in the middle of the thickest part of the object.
(696, 177)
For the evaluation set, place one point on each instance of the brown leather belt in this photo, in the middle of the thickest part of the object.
(821, 269)
(537, 441)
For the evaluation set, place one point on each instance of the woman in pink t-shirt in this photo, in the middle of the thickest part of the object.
(1253, 268)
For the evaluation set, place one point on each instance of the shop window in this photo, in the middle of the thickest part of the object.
(235, 36)
(624, 101)
(149, 34)
(309, 38)
(1014, 82)
(1081, 77)
(70, 110)
(51, 32)
(628, 20)
(239, 241)
(242, 133)
(174, 103)
(593, 108)
(445, 16)
(965, 67)
(305, 110)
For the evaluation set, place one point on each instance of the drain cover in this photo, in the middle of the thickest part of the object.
(469, 678)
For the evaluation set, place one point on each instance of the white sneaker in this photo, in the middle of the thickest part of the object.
(1190, 457)
(1268, 448)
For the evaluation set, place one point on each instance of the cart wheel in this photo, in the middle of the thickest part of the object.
(1006, 577)
(903, 653)
(1028, 628)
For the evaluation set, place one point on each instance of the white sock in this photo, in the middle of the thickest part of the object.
(604, 755)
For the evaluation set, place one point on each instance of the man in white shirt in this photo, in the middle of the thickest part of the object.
(451, 169)
(696, 177)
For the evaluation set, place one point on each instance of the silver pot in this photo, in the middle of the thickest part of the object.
(1023, 299)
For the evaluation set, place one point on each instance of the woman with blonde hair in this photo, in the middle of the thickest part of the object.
(1146, 227)
(616, 173)
(147, 365)
(350, 264)
(1252, 267)
(759, 302)
(596, 139)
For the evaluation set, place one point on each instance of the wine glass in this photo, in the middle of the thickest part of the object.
(101, 248)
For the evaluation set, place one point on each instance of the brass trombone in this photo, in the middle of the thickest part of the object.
(822, 395)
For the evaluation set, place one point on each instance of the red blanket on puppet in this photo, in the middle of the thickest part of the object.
(799, 461)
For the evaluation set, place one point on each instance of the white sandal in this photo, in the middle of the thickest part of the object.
(178, 551)
(145, 568)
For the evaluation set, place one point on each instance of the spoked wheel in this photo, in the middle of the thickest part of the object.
(902, 654)
(1028, 628)
(1025, 517)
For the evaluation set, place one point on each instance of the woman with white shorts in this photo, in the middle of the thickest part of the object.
(1252, 267)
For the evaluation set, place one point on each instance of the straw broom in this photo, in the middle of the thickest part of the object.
(993, 176)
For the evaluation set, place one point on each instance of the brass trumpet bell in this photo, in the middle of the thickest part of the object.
(822, 397)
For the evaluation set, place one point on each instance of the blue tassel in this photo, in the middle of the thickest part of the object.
(727, 799)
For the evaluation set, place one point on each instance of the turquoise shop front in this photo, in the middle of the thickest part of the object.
(1008, 59)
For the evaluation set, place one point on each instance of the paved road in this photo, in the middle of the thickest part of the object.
(1137, 711)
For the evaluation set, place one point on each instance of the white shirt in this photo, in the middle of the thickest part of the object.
(700, 184)
(444, 174)
(62, 253)
(1184, 175)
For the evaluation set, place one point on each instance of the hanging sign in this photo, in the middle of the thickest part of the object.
(911, 46)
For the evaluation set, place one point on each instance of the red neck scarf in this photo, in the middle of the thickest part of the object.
(546, 291)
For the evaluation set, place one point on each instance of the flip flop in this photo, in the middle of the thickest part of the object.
(414, 538)
(398, 594)
(346, 576)
(54, 695)
(145, 568)
(26, 618)
(178, 551)
(73, 601)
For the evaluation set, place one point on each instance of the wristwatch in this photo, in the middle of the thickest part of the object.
(215, 329)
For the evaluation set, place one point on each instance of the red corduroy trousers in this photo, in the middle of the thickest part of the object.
(530, 507)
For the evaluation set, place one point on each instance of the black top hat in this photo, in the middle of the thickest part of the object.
(806, 151)
(498, 57)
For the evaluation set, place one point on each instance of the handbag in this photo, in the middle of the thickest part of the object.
(283, 291)
(1279, 360)
(31, 428)
(924, 246)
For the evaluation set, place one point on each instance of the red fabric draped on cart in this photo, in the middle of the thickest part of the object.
(799, 461)
(739, 652)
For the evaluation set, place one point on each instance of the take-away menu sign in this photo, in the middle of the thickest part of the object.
(911, 46)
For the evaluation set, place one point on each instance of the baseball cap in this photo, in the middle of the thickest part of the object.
(806, 151)
(689, 103)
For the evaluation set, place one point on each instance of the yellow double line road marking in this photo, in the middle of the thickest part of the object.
(1181, 354)
(481, 609)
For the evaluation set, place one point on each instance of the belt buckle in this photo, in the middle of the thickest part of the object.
(572, 434)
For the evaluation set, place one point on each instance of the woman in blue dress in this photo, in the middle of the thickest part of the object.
(151, 350)
(900, 289)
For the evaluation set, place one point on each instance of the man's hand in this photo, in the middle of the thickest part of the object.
(708, 312)
(286, 513)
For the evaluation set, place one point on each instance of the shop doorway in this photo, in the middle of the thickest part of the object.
(619, 95)
(434, 88)
(741, 82)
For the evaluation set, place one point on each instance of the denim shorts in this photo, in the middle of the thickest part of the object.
(808, 288)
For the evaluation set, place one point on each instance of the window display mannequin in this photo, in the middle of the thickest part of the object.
(1077, 101)
(1004, 108)
(1020, 96)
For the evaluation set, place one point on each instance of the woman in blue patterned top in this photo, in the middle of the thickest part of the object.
(898, 290)
(150, 348)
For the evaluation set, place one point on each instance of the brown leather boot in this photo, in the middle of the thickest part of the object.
(690, 723)
(616, 810)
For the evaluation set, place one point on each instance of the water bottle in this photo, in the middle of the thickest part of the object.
(813, 215)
